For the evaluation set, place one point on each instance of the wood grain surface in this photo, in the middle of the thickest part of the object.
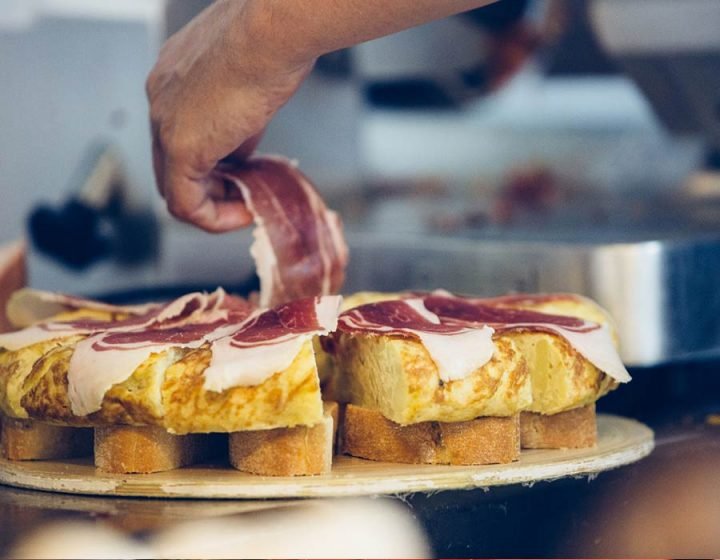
(621, 441)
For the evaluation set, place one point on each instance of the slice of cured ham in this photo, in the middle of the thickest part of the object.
(299, 248)
(194, 307)
(269, 341)
(591, 340)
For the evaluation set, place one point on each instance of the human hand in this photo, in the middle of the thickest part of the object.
(215, 86)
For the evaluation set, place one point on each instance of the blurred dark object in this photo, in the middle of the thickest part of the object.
(72, 234)
(409, 94)
(499, 16)
(485, 54)
(412, 94)
(244, 288)
(96, 222)
(336, 65)
(712, 160)
(571, 47)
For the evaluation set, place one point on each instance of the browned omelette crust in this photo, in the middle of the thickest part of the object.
(397, 377)
(167, 390)
(288, 398)
(17, 365)
(45, 390)
(138, 400)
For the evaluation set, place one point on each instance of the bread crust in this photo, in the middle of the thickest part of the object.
(29, 440)
(572, 429)
(144, 449)
(298, 451)
(368, 434)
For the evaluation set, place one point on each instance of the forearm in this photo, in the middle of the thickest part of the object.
(221, 78)
(305, 29)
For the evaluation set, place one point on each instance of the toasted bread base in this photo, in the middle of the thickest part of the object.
(145, 449)
(298, 451)
(30, 440)
(572, 429)
(368, 434)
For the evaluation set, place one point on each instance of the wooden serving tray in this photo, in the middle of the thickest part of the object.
(621, 441)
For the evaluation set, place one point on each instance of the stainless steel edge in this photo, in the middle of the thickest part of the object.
(662, 294)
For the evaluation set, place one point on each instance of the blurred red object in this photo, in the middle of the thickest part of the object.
(531, 189)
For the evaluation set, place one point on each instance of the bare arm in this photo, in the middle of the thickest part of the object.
(220, 79)
(327, 25)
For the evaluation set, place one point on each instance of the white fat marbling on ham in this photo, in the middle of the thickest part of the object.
(592, 340)
(233, 366)
(298, 247)
(598, 348)
(266, 264)
(457, 349)
(458, 355)
(420, 309)
(268, 342)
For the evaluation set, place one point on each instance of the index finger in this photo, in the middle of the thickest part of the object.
(203, 201)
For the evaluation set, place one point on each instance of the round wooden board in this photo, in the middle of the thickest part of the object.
(621, 441)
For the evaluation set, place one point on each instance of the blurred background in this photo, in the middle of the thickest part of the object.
(533, 145)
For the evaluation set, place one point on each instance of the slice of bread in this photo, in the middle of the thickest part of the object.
(572, 429)
(29, 440)
(145, 449)
(298, 451)
(368, 434)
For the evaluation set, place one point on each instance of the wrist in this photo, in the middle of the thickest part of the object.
(268, 28)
